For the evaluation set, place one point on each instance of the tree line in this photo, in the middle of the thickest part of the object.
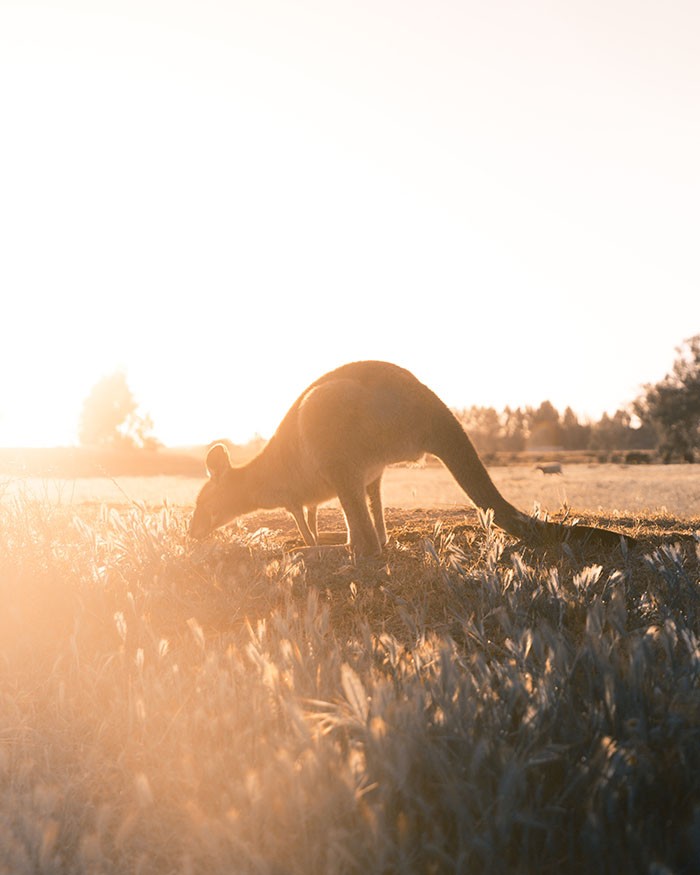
(665, 418)
(517, 430)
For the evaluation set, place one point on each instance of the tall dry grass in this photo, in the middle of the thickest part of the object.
(232, 707)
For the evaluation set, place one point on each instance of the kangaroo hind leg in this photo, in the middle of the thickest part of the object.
(361, 530)
(312, 519)
(374, 494)
(306, 529)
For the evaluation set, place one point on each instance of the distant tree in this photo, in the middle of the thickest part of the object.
(640, 435)
(515, 430)
(611, 432)
(483, 425)
(110, 417)
(574, 435)
(545, 430)
(672, 406)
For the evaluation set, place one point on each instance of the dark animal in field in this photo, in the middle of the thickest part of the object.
(549, 468)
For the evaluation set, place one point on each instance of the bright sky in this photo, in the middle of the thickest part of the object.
(227, 199)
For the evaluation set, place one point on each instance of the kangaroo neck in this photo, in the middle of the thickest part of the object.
(264, 478)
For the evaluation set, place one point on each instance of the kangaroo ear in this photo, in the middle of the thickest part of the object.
(218, 461)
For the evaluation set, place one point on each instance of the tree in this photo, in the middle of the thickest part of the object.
(545, 430)
(110, 416)
(611, 432)
(575, 436)
(483, 426)
(515, 431)
(672, 406)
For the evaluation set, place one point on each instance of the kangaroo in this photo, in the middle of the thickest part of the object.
(336, 440)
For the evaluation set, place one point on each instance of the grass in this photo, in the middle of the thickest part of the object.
(236, 706)
(645, 489)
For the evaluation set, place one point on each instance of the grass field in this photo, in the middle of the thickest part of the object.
(640, 489)
(240, 706)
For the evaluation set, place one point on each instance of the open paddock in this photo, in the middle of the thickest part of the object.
(673, 489)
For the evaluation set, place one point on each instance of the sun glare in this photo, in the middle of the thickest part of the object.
(34, 417)
(224, 204)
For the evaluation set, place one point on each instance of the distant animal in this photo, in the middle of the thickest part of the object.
(549, 468)
(337, 439)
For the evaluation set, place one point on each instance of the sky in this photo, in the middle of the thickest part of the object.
(225, 200)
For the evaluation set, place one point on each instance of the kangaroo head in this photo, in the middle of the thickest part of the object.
(219, 500)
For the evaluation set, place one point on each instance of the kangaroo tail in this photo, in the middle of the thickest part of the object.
(451, 444)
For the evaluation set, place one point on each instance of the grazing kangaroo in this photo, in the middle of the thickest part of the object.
(336, 440)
